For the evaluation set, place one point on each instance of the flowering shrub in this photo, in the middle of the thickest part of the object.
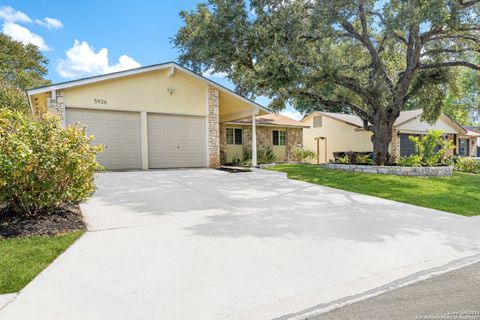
(432, 147)
(467, 164)
(42, 164)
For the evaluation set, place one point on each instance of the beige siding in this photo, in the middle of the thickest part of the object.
(340, 137)
(146, 91)
(416, 125)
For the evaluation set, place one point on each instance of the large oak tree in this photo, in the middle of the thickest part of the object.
(373, 58)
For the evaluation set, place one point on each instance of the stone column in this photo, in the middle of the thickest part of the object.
(56, 105)
(213, 128)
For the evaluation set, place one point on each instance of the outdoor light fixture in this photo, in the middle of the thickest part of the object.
(171, 90)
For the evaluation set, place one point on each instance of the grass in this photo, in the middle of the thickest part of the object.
(21, 259)
(458, 194)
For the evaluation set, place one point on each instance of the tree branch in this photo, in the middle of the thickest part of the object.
(449, 64)
(469, 37)
(334, 103)
(435, 51)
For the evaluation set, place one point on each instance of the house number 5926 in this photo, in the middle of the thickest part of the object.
(99, 101)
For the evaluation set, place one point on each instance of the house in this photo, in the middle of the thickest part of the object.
(334, 132)
(278, 132)
(474, 132)
(159, 116)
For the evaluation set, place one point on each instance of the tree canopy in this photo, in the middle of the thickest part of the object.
(21, 67)
(373, 58)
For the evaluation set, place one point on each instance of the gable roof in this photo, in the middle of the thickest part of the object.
(129, 72)
(404, 117)
(271, 119)
(350, 119)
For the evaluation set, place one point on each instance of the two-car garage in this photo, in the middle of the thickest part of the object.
(159, 116)
(173, 141)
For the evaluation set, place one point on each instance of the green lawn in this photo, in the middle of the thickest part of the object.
(22, 259)
(459, 193)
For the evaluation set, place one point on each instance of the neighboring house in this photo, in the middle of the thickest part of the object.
(342, 132)
(474, 132)
(280, 133)
(160, 116)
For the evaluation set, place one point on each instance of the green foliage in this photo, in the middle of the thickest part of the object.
(352, 157)
(413, 160)
(301, 154)
(371, 58)
(22, 67)
(432, 147)
(42, 164)
(363, 159)
(342, 159)
(264, 155)
(467, 164)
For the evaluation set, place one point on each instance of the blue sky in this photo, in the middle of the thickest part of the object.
(83, 38)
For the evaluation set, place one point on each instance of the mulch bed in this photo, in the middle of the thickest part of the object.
(66, 218)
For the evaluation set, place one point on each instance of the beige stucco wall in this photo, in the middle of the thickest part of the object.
(340, 137)
(146, 91)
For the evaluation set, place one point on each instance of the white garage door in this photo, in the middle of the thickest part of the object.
(176, 141)
(118, 131)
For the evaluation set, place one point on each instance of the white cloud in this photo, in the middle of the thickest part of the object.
(292, 114)
(49, 23)
(210, 74)
(9, 14)
(24, 35)
(82, 60)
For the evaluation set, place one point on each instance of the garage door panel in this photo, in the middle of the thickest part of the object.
(118, 131)
(176, 141)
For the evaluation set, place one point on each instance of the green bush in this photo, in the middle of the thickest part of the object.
(363, 159)
(300, 154)
(43, 165)
(342, 159)
(410, 161)
(432, 147)
(466, 164)
(264, 155)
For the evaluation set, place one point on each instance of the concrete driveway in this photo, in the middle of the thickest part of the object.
(206, 244)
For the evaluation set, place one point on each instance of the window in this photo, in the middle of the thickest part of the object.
(463, 147)
(317, 121)
(234, 136)
(279, 137)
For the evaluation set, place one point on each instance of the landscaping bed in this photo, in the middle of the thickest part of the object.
(394, 170)
(458, 193)
(64, 219)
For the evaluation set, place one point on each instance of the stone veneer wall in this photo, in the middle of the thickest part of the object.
(294, 141)
(213, 128)
(264, 139)
(57, 106)
(394, 170)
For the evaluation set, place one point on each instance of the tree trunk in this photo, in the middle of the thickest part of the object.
(381, 138)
